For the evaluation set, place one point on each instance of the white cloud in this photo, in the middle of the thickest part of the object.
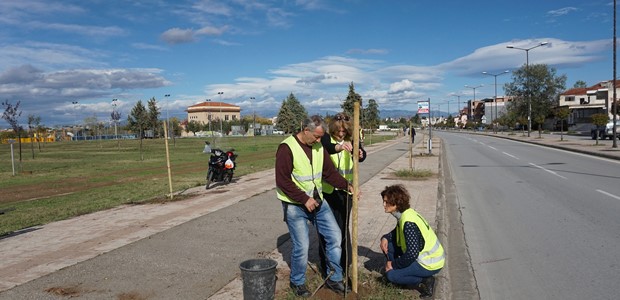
(178, 36)
(562, 11)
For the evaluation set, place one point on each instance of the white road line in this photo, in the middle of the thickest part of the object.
(608, 194)
(492, 147)
(554, 173)
(510, 155)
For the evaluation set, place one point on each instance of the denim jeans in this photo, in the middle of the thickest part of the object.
(297, 217)
(410, 275)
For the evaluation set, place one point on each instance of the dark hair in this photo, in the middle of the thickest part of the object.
(396, 195)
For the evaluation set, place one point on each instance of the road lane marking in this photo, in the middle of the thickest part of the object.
(608, 194)
(510, 155)
(552, 172)
(492, 147)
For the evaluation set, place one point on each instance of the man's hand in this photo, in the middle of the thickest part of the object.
(311, 204)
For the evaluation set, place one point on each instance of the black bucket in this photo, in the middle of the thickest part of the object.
(259, 278)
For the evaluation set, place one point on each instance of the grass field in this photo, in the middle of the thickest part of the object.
(67, 179)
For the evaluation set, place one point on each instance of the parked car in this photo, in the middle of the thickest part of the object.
(605, 131)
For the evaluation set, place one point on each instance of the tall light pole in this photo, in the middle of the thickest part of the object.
(114, 117)
(76, 118)
(527, 80)
(209, 116)
(254, 117)
(495, 99)
(167, 119)
(615, 100)
(221, 121)
(472, 102)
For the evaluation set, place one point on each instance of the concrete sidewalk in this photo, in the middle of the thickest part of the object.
(43, 250)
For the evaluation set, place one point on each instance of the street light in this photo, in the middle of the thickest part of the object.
(254, 116)
(472, 103)
(167, 119)
(76, 118)
(115, 117)
(527, 80)
(209, 117)
(221, 121)
(495, 84)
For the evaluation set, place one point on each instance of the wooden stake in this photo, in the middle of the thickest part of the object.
(355, 155)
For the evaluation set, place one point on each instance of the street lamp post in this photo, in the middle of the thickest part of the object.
(221, 121)
(167, 119)
(495, 99)
(76, 118)
(114, 117)
(472, 102)
(209, 116)
(527, 72)
(254, 117)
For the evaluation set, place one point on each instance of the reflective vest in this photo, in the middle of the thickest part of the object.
(432, 255)
(344, 164)
(306, 174)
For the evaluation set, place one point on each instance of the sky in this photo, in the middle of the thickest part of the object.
(67, 60)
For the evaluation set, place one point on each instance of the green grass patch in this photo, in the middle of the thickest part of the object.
(68, 179)
(413, 174)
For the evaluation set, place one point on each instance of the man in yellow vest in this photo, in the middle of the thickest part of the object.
(301, 166)
(414, 254)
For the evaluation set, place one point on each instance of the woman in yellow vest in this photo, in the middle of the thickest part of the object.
(337, 142)
(414, 254)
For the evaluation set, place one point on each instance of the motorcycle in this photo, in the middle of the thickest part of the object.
(221, 166)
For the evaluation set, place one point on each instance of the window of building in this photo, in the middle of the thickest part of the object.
(569, 99)
(226, 117)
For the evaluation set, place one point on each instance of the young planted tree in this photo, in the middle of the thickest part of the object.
(562, 114)
(599, 120)
(138, 121)
(11, 115)
(33, 123)
(540, 120)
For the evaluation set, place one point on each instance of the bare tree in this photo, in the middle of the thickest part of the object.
(11, 115)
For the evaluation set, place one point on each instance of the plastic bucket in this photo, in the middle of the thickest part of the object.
(259, 278)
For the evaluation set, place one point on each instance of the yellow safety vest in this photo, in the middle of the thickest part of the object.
(306, 174)
(344, 163)
(432, 255)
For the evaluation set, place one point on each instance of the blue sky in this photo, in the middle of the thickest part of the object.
(55, 53)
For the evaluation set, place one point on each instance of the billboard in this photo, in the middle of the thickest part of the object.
(423, 107)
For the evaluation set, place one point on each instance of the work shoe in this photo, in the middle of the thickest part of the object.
(300, 290)
(337, 286)
(426, 287)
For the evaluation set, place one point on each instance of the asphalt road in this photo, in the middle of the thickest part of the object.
(539, 223)
(190, 261)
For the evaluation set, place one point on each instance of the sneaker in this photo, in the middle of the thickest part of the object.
(300, 290)
(337, 286)
(426, 287)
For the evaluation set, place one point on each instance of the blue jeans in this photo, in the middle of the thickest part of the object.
(297, 217)
(411, 275)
